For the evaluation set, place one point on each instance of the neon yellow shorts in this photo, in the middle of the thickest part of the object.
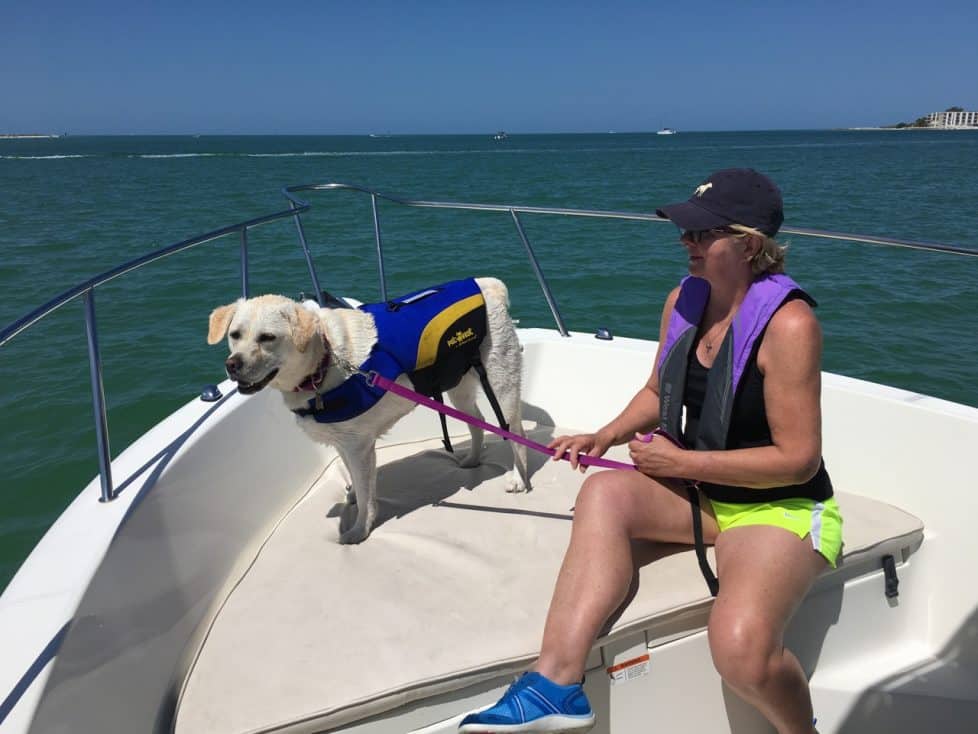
(822, 521)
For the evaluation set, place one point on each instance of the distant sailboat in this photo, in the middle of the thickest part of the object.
(501, 135)
(666, 131)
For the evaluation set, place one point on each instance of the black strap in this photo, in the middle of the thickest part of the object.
(318, 406)
(694, 501)
(484, 379)
(446, 441)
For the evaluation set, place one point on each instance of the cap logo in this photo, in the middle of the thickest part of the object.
(702, 189)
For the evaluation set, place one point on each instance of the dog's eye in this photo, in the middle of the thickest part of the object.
(235, 335)
(266, 337)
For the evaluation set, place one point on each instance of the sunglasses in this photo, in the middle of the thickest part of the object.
(698, 236)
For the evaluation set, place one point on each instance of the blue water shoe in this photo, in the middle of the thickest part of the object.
(534, 704)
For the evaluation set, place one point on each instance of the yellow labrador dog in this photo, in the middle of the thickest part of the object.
(430, 340)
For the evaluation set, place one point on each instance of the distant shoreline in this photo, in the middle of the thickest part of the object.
(912, 127)
(15, 136)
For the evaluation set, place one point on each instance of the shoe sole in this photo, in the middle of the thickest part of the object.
(545, 725)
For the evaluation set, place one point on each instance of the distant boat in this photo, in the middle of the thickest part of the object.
(501, 135)
(666, 131)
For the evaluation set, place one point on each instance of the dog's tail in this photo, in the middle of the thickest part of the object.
(494, 289)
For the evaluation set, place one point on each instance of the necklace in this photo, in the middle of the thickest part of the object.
(718, 334)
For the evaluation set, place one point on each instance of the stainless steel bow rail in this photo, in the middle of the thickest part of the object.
(297, 207)
(87, 292)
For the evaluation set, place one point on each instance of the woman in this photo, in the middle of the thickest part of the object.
(740, 345)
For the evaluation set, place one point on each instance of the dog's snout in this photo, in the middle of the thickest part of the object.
(232, 364)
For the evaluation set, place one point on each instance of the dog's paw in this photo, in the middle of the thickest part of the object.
(514, 483)
(470, 461)
(354, 535)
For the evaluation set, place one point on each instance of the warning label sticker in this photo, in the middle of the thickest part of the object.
(629, 670)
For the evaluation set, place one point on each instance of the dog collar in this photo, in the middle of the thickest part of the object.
(311, 383)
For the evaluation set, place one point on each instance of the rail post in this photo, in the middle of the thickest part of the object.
(305, 251)
(98, 399)
(539, 273)
(380, 249)
(244, 262)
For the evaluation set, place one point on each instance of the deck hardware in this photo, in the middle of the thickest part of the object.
(604, 333)
(210, 394)
(890, 576)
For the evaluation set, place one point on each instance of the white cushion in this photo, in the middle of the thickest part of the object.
(451, 588)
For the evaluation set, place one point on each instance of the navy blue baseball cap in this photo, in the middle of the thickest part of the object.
(731, 196)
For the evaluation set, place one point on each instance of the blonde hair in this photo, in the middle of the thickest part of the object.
(769, 257)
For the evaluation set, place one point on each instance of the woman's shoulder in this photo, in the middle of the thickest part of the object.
(672, 297)
(794, 318)
(670, 305)
(792, 332)
(667, 309)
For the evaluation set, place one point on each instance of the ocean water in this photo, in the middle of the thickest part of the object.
(74, 207)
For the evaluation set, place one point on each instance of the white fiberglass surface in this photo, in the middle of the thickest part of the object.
(451, 587)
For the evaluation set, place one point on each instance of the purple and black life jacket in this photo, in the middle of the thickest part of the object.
(764, 297)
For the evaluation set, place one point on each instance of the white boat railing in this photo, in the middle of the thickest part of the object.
(297, 207)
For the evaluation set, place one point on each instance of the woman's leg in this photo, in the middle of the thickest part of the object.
(765, 573)
(612, 509)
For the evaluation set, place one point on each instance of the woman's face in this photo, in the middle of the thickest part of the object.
(716, 253)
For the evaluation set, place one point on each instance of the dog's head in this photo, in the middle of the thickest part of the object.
(269, 338)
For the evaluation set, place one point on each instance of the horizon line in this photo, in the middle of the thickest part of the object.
(378, 135)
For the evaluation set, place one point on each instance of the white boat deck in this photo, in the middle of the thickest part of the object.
(451, 589)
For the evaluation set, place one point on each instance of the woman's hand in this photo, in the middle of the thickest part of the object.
(581, 444)
(657, 456)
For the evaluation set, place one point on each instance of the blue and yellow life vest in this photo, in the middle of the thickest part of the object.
(432, 335)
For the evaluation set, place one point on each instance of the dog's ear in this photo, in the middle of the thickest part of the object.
(220, 320)
(304, 327)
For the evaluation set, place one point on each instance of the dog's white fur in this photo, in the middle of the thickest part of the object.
(270, 333)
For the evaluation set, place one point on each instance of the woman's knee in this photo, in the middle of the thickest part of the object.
(744, 654)
(605, 493)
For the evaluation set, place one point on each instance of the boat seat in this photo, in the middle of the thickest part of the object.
(451, 589)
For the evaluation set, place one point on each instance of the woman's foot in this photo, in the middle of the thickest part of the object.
(534, 704)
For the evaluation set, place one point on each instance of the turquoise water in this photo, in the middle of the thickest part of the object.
(74, 207)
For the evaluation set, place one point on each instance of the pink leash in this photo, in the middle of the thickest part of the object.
(691, 487)
(385, 384)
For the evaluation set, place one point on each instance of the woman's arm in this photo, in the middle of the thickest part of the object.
(640, 415)
(790, 360)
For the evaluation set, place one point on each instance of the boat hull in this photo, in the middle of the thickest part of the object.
(119, 597)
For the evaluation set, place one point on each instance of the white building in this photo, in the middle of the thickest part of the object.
(950, 119)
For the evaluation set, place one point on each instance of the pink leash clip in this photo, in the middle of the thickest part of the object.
(647, 437)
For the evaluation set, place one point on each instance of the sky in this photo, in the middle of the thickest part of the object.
(354, 67)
